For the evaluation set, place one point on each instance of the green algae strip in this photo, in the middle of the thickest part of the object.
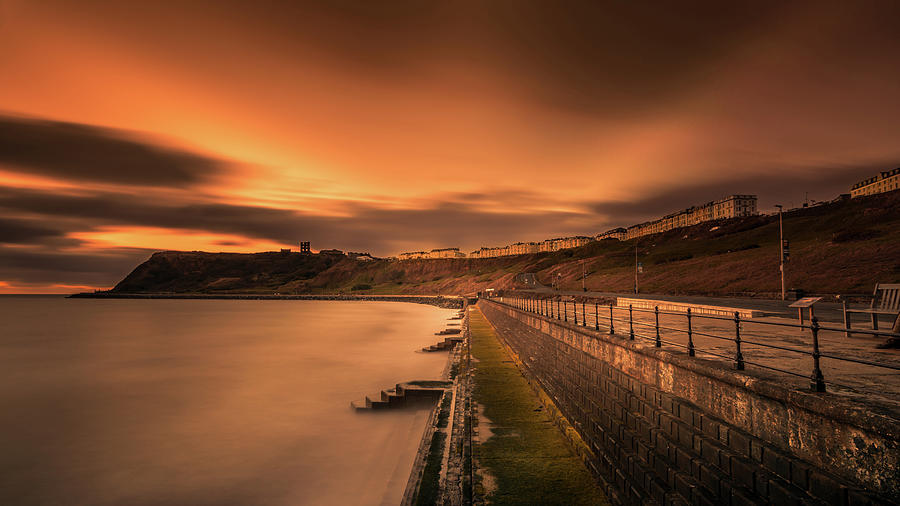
(527, 455)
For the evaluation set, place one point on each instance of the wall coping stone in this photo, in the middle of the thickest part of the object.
(668, 305)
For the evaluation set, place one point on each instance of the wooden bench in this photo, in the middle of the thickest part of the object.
(885, 301)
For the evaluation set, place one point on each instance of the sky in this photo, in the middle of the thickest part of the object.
(133, 127)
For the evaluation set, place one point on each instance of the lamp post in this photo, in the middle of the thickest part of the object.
(781, 246)
(583, 289)
(635, 267)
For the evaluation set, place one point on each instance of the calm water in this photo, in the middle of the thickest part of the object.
(207, 402)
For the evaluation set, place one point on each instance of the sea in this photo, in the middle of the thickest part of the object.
(208, 402)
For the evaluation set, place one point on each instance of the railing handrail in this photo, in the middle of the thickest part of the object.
(540, 305)
(759, 322)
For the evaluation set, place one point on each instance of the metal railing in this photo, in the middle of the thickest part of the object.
(650, 329)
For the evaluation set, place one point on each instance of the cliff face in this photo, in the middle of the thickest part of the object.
(844, 247)
(182, 272)
(293, 273)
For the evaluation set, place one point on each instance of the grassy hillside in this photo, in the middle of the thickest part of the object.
(840, 247)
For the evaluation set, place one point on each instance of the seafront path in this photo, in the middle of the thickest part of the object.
(773, 344)
(522, 457)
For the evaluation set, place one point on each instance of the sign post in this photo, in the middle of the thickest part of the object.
(805, 302)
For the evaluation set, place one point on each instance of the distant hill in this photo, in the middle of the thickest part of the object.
(840, 247)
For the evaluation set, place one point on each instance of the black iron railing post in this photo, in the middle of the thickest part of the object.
(583, 315)
(630, 323)
(557, 309)
(690, 333)
(575, 311)
(565, 311)
(816, 380)
(738, 356)
(596, 316)
(656, 314)
(612, 329)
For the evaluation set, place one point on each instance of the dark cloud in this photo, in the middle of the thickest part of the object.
(609, 56)
(29, 266)
(445, 223)
(84, 152)
(17, 231)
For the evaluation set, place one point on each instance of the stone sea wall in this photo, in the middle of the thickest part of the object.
(667, 429)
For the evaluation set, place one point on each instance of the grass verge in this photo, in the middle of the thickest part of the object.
(527, 455)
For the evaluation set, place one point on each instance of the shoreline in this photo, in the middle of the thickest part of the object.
(446, 301)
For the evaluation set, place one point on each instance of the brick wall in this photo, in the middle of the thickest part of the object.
(667, 434)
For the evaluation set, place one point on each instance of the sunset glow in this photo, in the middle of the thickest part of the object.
(225, 126)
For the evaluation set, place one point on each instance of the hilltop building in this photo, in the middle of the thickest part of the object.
(615, 233)
(884, 182)
(435, 253)
(527, 248)
(446, 253)
(549, 245)
(523, 248)
(304, 247)
(490, 252)
(362, 257)
(733, 206)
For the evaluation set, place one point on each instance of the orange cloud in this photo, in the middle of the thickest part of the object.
(48, 289)
(155, 238)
